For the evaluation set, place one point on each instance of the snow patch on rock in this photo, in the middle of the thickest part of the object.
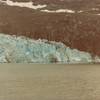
(59, 11)
(23, 4)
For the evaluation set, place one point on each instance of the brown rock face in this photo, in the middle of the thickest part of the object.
(78, 30)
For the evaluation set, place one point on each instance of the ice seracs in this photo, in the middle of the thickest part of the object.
(24, 50)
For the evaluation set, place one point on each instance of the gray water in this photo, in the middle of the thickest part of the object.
(49, 82)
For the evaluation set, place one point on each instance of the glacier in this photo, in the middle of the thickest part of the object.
(20, 49)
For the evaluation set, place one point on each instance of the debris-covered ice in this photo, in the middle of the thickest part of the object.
(24, 50)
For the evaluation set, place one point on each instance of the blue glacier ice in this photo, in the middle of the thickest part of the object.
(25, 50)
